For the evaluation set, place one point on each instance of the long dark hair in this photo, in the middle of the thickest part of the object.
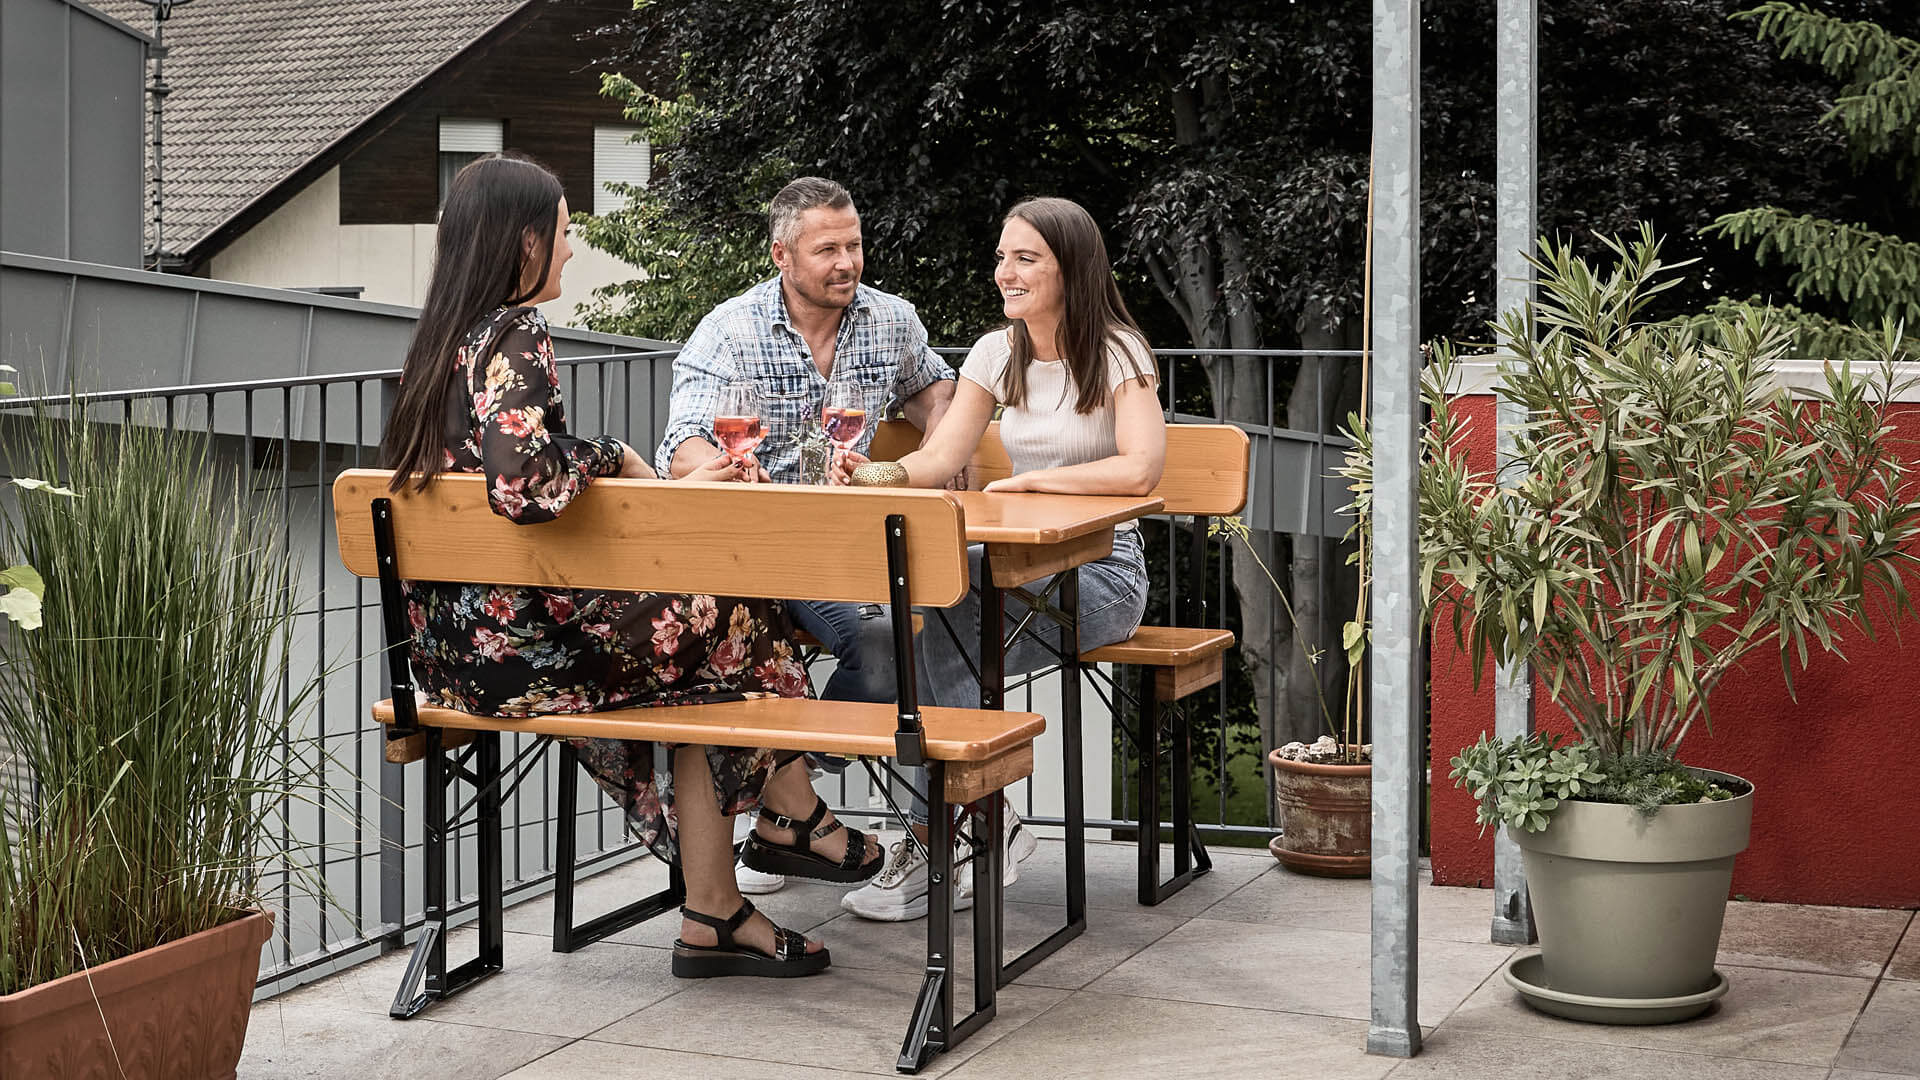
(495, 206)
(1094, 317)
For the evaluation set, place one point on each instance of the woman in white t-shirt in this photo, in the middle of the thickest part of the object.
(1080, 414)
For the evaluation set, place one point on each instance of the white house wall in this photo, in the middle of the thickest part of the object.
(303, 245)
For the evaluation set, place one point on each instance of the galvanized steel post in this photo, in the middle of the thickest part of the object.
(1396, 679)
(1516, 163)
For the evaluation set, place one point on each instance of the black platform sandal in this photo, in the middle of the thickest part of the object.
(798, 859)
(790, 958)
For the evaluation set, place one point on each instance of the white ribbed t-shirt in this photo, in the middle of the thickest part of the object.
(1043, 432)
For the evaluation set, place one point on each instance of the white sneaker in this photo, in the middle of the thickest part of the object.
(1021, 844)
(899, 892)
(755, 883)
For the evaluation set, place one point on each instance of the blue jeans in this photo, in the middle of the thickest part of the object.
(860, 637)
(1113, 598)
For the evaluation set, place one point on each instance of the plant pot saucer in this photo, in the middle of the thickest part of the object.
(1527, 975)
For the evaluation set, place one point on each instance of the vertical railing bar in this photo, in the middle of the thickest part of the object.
(320, 651)
(359, 688)
(286, 677)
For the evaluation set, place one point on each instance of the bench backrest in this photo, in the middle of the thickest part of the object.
(1206, 472)
(785, 541)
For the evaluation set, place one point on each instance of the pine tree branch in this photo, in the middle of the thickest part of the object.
(1876, 275)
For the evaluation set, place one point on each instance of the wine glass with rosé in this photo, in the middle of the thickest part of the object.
(737, 420)
(843, 415)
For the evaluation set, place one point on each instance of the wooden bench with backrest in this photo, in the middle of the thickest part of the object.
(893, 547)
(1206, 475)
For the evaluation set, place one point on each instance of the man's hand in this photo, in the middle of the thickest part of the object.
(844, 462)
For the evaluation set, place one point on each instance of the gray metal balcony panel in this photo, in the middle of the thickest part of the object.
(87, 327)
(71, 130)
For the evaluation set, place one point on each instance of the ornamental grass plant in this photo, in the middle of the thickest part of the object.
(1669, 511)
(147, 709)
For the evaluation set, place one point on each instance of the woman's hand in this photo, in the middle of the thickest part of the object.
(1010, 483)
(633, 466)
(721, 468)
(840, 472)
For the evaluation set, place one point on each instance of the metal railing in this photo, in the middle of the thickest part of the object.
(294, 435)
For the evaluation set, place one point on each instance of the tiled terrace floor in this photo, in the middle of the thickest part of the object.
(1251, 972)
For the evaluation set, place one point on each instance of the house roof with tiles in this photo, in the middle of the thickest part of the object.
(264, 93)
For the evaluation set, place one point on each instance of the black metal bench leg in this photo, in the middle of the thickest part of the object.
(566, 800)
(1148, 839)
(429, 960)
(567, 936)
(1190, 858)
(493, 882)
(929, 1030)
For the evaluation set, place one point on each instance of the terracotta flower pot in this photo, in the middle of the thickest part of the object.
(1325, 815)
(177, 1010)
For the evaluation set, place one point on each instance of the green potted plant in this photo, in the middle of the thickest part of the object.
(146, 712)
(1669, 510)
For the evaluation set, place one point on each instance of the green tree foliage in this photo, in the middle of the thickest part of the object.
(689, 266)
(1221, 142)
(1868, 276)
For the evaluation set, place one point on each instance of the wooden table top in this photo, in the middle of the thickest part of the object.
(1026, 517)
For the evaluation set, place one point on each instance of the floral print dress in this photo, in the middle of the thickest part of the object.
(514, 651)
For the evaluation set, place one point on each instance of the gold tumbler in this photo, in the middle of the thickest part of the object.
(880, 474)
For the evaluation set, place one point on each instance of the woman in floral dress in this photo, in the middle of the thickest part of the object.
(480, 393)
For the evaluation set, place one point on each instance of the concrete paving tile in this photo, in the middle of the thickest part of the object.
(1113, 877)
(288, 1040)
(1283, 898)
(570, 994)
(602, 892)
(1770, 1015)
(848, 1018)
(1834, 940)
(1292, 969)
(369, 987)
(1886, 1038)
(1452, 1054)
(1097, 1036)
(1855, 1074)
(589, 1060)
(1112, 936)
(803, 905)
(1906, 959)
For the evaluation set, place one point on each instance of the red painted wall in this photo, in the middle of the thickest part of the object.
(1836, 817)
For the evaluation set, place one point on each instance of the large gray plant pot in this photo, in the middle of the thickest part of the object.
(1629, 907)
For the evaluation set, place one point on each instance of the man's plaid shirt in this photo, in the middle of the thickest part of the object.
(882, 346)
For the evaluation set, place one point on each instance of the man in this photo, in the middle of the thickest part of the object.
(811, 325)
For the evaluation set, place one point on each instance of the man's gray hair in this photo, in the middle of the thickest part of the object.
(804, 194)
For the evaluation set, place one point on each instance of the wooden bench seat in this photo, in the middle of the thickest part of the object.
(1185, 659)
(980, 746)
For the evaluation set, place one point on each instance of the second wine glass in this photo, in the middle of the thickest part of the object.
(843, 415)
(737, 420)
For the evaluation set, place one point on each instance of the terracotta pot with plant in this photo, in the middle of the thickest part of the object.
(1668, 510)
(146, 711)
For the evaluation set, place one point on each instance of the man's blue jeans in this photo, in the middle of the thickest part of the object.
(860, 637)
